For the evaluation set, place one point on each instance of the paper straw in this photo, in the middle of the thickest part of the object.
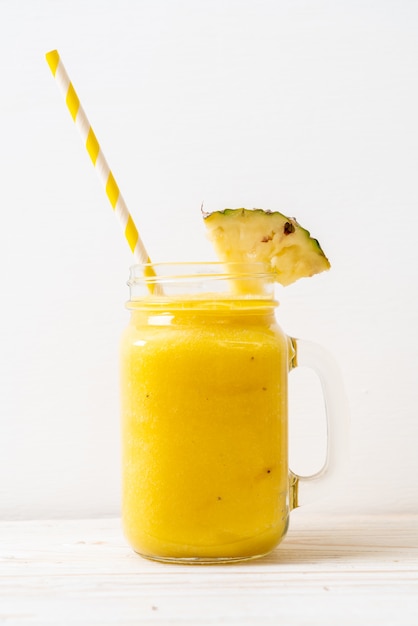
(97, 158)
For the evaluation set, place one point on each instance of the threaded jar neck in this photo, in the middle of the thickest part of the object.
(212, 282)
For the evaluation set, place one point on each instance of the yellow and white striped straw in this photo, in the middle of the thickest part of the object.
(97, 157)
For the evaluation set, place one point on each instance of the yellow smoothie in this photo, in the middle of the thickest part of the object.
(204, 424)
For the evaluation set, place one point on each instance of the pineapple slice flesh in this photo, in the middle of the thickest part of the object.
(268, 237)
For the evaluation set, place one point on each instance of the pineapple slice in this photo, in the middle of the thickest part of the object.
(268, 237)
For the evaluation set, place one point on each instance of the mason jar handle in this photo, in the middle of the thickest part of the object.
(306, 489)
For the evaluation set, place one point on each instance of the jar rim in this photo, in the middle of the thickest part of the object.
(200, 280)
(161, 272)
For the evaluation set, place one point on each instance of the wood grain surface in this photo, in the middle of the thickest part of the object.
(331, 570)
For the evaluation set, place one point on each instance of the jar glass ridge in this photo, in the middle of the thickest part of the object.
(173, 279)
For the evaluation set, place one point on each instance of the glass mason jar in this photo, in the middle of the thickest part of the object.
(205, 414)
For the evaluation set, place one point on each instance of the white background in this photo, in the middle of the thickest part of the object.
(307, 107)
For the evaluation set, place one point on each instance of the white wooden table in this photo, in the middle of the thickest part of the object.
(329, 571)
